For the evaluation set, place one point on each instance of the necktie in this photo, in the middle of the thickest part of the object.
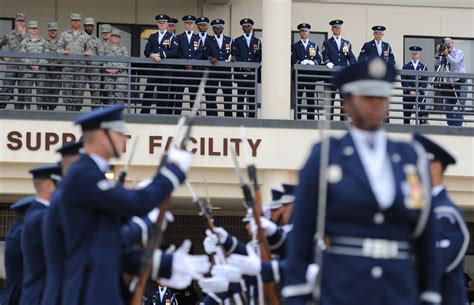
(203, 34)
(189, 32)
(371, 143)
(218, 36)
(247, 34)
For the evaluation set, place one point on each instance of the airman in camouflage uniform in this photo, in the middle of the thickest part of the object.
(105, 30)
(13, 40)
(116, 71)
(52, 46)
(95, 46)
(73, 42)
(33, 43)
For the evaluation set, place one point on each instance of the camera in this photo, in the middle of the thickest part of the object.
(442, 47)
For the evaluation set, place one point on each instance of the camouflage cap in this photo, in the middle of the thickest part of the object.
(76, 16)
(33, 24)
(52, 26)
(20, 17)
(106, 28)
(89, 21)
(116, 32)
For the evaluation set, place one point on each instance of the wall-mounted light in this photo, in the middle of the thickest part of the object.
(110, 173)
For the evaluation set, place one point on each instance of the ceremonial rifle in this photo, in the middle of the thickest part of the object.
(156, 232)
(124, 171)
(270, 292)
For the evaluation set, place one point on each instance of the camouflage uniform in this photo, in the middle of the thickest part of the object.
(13, 40)
(52, 46)
(33, 45)
(75, 43)
(96, 47)
(117, 83)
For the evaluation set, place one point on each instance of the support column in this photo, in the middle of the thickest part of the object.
(276, 68)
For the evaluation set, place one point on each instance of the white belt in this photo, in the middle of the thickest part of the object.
(370, 247)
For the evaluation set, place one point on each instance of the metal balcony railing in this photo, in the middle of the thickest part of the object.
(48, 81)
(419, 97)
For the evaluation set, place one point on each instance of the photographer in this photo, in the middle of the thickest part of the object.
(454, 60)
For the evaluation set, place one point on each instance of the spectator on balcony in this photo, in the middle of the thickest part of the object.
(13, 40)
(172, 25)
(203, 26)
(337, 51)
(218, 49)
(116, 77)
(33, 43)
(413, 93)
(160, 45)
(54, 74)
(246, 48)
(454, 60)
(305, 52)
(106, 30)
(377, 47)
(73, 42)
(96, 47)
(188, 48)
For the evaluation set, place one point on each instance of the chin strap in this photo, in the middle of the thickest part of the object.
(109, 137)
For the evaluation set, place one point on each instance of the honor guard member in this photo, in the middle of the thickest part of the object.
(377, 47)
(172, 25)
(453, 235)
(33, 43)
(54, 75)
(379, 219)
(337, 51)
(202, 25)
(116, 77)
(92, 208)
(11, 289)
(73, 42)
(160, 295)
(219, 48)
(45, 179)
(412, 95)
(52, 230)
(246, 48)
(95, 48)
(160, 45)
(12, 39)
(188, 48)
(305, 52)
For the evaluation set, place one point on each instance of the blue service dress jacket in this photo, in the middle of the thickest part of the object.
(34, 267)
(92, 210)
(369, 249)
(339, 56)
(369, 51)
(409, 81)
(300, 53)
(189, 49)
(11, 290)
(452, 243)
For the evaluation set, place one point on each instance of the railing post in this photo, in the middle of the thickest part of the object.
(417, 114)
(129, 86)
(295, 111)
(256, 91)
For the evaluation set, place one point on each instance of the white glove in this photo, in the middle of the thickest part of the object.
(269, 226)
(181, 158)
(210, 243)
(221, 234)
(177, 281)
(153, 214)
(305, 62)
(330, 65)
(185, 264)
(214, 284)
(311, 63)
(230, 273)
(311, 274)
(248, 265)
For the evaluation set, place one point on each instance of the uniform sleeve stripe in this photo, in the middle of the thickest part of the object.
(296, 290)
(465, 232)
(234, 245)
(143, 227)
(215, 297)
(156, 264)
(431, 297)
(171, 177)
(280, 242)
(276, 271)
(422, 165)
